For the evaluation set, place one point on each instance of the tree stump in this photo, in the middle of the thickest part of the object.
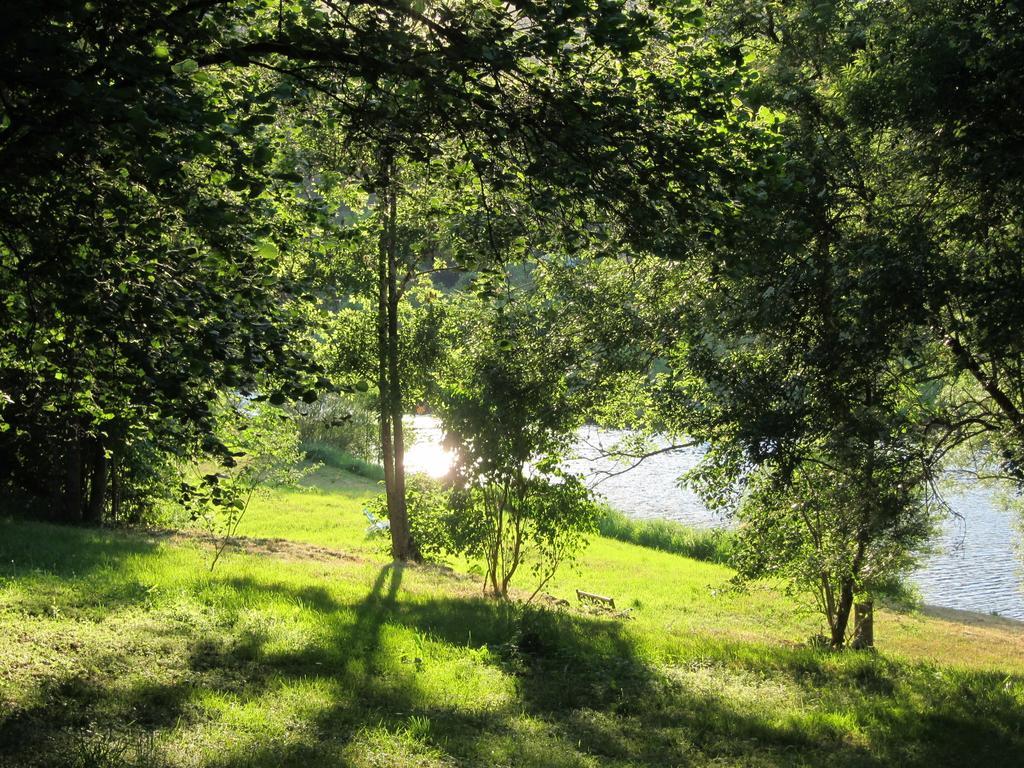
(863, 625)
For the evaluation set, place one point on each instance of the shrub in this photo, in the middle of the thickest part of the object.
(432, 522)
(331, 456)
(541, 521)
(713, 545)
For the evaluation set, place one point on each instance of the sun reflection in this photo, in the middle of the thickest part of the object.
(431, 460)
(427, 454)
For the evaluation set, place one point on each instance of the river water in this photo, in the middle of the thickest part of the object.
(977, 564)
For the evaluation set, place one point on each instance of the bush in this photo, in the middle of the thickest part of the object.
(541, 522)
(714, 545)
(433, 524)
(331, 456)
(539, 525)
(347, 423)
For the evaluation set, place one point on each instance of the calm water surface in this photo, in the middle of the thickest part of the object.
(977, 565)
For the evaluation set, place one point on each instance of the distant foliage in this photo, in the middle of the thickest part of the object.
(346, 423)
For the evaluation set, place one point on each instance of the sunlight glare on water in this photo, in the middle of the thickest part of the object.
(427, 454)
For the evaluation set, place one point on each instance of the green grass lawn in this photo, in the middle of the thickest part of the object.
(326, 510)
(123, 649)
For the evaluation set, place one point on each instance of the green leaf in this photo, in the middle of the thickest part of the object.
(186, 67)
(267, 250)
(262, 156)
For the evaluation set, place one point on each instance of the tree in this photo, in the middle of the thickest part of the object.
(626, 107)
(140, 146)
(806, 362)
(137, 260)
(389, 329)
(940, 82)
(896, 249)
(509, 411)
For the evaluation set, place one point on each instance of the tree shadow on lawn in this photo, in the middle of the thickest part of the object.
(913, 713)
(581, 681)
(80, 572)
(586, 682)
(70, 710)
(29, 547)
(580, 692)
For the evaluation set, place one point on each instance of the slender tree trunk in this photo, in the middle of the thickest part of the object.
(842, 617)
(383, 385)
(97, 483)
(388, 374)
(401, 514)
(863, 625)
(115, 485)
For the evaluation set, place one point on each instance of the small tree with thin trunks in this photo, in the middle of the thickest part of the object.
(510, 413)
(260, 449)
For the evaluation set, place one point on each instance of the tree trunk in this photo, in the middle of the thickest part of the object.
(842, 618)
(383, 385)
(97, 484)
(400, 516)
(863, 625)
(115, 486)
(388, 373)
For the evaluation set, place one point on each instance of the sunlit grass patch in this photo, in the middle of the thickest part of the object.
(327, 510)
(406, 746)
(288, 658)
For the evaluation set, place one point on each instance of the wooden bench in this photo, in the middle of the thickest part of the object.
(590, 596)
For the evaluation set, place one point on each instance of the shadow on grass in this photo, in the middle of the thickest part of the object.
(44, 734)
(579, 691)
(583, 692)
(27, 546)
(912, 713)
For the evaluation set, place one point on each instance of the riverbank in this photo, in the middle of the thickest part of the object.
(310, 648)
(684, 595)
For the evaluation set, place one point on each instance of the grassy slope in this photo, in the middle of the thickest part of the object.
(118, 648)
